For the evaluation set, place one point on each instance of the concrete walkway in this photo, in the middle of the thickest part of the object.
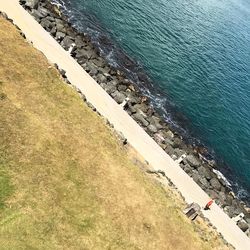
(135, 135)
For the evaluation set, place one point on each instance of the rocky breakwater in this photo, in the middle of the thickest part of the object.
(138, 106)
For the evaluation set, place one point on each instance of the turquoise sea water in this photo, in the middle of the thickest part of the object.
(197, 53)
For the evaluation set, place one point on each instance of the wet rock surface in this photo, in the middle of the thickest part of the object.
(138, 106)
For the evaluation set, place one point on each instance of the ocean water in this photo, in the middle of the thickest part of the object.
(197, 54)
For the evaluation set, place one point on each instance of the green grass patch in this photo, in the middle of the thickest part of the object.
(6, 187)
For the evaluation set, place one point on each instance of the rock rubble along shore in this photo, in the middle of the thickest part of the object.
(124, 91)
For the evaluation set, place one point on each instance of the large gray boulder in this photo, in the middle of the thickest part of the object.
(67, 42)
(37, 15)
(142, 106)
(122, 87)
(179, 152)
(169, 150)
(177, 142)
(169, 142)
(193, 161)
(60, 27)
(47, 24)
(139, 118)
(60, 35)
(105, 71)
(101, 78)
(89, 53)
(99, 62)
(195, 176)
(80, 53)
(229, 210)
(169, 134)
(33, 4)
(187, 169)
(110, 88)
(222, 197)
(215, 184)
(80, 43)
(152, 128)
(155, 121)
(204, 183)
(91, 68)
(213, 195)
(229, 199)
(243, 225)
(131, 110)
(204, 172)
(43, 11)
(85, 53)
(53, 31)
(118, 97)
(133, 99)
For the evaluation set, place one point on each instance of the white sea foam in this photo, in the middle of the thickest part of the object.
(221, 176)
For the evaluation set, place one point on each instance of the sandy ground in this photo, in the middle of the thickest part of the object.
(122, 122)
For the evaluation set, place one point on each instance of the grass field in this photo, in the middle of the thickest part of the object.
(65, 180)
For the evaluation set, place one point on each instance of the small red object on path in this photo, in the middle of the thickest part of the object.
(208, 205)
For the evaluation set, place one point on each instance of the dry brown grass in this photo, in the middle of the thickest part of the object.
(66, 183)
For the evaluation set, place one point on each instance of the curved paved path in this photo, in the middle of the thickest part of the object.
(136, 136)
